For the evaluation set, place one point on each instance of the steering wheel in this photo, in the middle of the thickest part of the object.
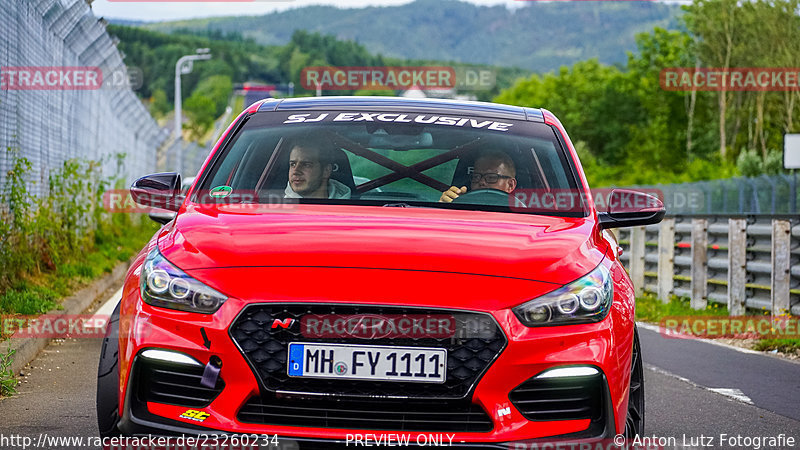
(494, 197)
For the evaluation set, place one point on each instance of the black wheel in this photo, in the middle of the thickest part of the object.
(108, 380)
(634, 423)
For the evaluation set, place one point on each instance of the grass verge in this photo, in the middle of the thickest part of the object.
(8, 383)
(650, 308)
(58, 238)
(790, 346)
(37, 293)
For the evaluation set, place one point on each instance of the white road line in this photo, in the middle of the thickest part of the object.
(674, 335)
(102, 314)
(648, 326)
(734, 394)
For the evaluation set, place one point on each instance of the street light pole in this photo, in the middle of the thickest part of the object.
(184, 66)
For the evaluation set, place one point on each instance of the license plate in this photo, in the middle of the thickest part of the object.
(361, 362)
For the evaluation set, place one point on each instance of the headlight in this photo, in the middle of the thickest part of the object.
(583, 301)
(162, 284)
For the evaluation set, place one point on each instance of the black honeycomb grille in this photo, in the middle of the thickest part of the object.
(266, 350)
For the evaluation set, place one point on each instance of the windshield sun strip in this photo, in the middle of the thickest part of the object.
(398, 170)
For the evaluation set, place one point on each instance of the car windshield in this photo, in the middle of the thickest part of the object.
(395, 159)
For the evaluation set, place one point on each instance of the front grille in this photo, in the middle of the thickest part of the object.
(266, 350)
(567, 398)
(372, 414)
(173, 384)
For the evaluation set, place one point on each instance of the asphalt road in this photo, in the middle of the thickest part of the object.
(57, 395)
(768, 382)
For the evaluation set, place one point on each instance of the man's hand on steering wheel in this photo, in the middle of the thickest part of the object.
(452, 194)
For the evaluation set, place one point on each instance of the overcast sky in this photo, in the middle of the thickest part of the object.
(155, 10)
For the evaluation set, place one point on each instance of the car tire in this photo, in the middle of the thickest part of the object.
(634, 422)
(108, 380)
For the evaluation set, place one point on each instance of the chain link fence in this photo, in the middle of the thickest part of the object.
(188, 157)
(50, 124)
(183, 156)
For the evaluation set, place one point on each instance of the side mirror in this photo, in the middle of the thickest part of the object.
(162, 217)
(627, 208)
(159, 190)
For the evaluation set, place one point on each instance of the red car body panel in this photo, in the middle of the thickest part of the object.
(559, 250)
(471, 260)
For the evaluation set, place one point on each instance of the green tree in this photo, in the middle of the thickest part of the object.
(592, 100)
(667, 121)
(760, 33)
(218, 88)
(159, 105)
(201, 112)
(718, 38)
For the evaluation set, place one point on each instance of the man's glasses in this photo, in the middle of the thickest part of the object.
(491, 178)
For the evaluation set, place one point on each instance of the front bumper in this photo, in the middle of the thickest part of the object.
(528, 352)
(137, 420)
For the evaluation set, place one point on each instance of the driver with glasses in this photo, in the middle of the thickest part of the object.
(493, 170)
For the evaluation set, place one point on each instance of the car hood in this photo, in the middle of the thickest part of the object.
(538, 248)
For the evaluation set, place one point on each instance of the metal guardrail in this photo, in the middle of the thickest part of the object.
(744, 261)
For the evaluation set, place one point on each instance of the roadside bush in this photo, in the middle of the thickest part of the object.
(782, 345)
(773, 163)
(751, 164)
(200, 110)
(62, 236)
(8, 383)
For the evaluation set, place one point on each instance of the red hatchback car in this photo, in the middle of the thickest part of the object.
(372, 268)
